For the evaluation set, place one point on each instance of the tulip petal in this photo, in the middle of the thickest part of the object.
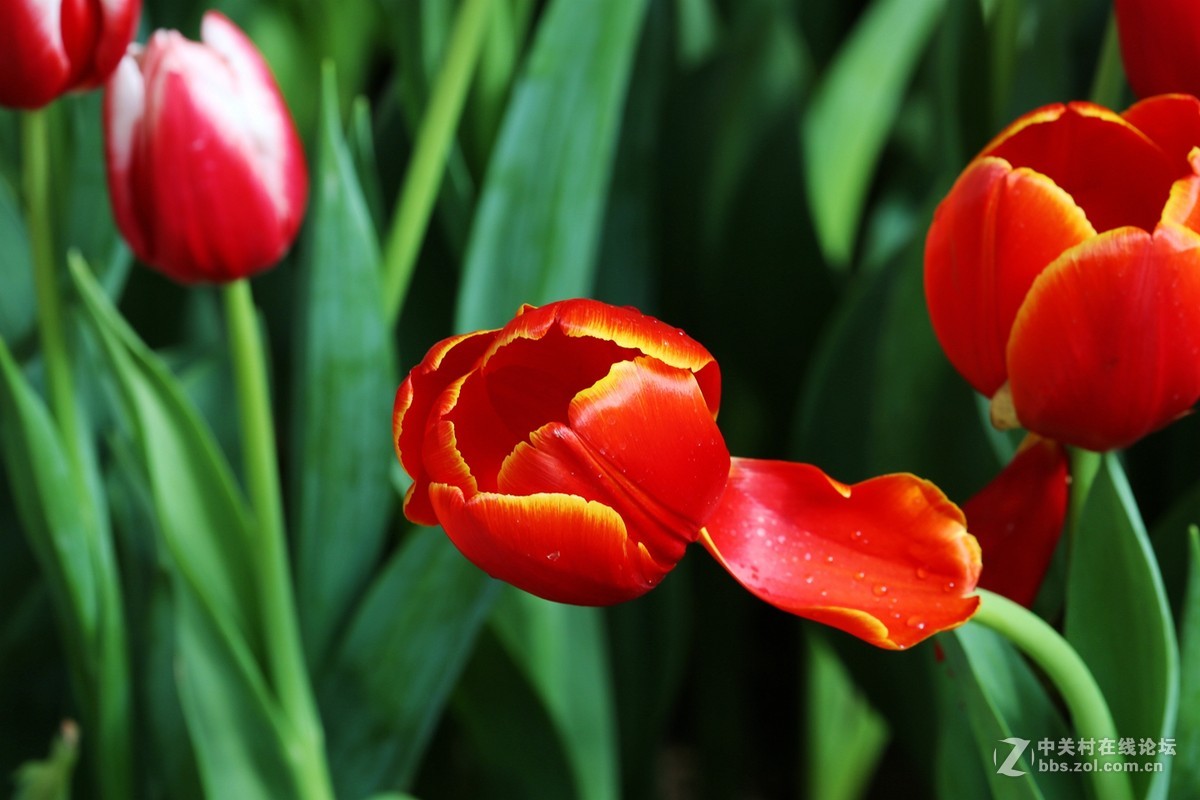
(991, 236)
(626, 328)
(1111, 169)
(1018, 518)
(445, 363)
(1172, 121)
(1106, 348)
(34, 65)
(888, 560)
(1158, 45)
(559, 547)
(124, 109)
(640, 441)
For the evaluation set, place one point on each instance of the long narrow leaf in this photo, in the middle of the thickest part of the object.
(1119, 621)
(537, 226)
(341, 495)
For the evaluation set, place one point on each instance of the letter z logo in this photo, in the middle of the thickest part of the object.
(1018, 747)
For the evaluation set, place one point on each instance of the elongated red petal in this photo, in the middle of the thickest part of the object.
(1018, 518)
(1111, 169)
(1173, 122)
(991, 236)
(444, 364)
(1106, 348)
(559, 547)
(642, 442)
(888, 560)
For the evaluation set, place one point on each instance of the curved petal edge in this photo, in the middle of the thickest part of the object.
(888, 560)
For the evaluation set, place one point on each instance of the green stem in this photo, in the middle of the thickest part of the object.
(428, 162)
(285, 654)
(107, 683)
(1067, 671)
(1084, 466)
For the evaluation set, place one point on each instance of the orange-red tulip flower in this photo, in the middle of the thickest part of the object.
(575, 454)
(1160, 45)
(1062, 271)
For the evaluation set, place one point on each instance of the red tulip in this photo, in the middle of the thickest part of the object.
(1062, 271)
(574, 453)
(1160, 45)
(48, 48)
(1018, 519)
(205, 171)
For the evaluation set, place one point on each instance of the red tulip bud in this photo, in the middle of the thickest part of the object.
(205, 171)
(48, 48)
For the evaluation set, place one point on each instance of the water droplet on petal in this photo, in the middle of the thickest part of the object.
(916, 622)
(808, 556)
(922, 573)
(950, 586)
(554, 556)
(858, 576)
(879, 590)
(809, 579)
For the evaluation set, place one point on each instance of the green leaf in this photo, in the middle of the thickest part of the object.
(341, 496)
(537, 225)
(401, 655)
(208, 550)
(1004, 699)
(846, 735)
(563, 651)
(60, 525)
(1119, 621)
(50, 779)
(202, 515)
(853, 109)
(1185, 779)
(16, 269)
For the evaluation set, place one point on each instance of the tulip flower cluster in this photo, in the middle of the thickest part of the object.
(206, 172)
(1062, 271)
(574, 453)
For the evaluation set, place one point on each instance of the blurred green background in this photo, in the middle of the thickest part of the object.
(760, 173)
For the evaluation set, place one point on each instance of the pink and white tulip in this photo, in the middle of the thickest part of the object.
(206, 173)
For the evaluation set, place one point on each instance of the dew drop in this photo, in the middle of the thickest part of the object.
(856, 535)
(922, 573)
(824, 593)
(808, 556)
(950, 586)
(828, 559)
(879, 590)
(554, 556)
(858, 576)
(916, 622)
(809, 579)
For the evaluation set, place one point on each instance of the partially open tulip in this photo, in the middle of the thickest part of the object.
(1062, 271)
(205, 171)
(49, 47)
(1160, 45)
(575, 454)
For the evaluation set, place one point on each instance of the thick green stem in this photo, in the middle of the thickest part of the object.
(107, 683)
(1069, 674)
(428, 162)
(1084, 466)
(280, 627)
